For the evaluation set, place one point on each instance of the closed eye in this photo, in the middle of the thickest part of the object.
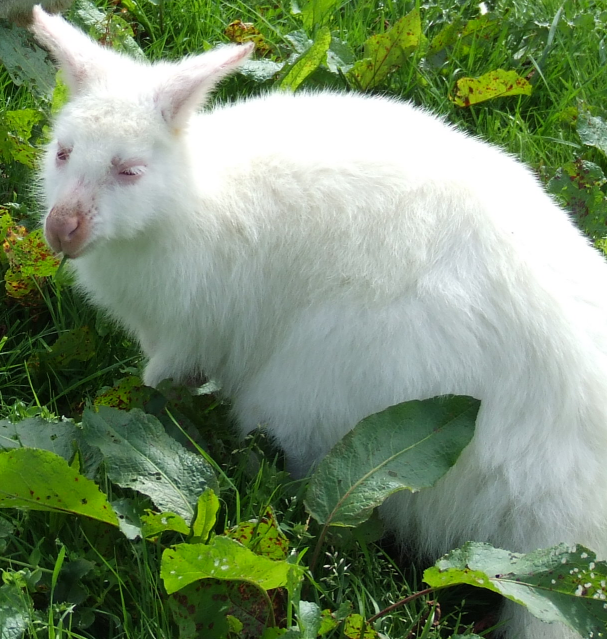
(129, 171)
(133, 170)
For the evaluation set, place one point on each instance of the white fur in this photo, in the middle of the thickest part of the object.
(325, 256)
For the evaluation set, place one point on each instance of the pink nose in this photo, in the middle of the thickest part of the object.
(66, 230)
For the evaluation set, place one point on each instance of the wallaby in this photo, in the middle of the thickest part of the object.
(324, 256)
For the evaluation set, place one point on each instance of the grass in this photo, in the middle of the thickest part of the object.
(113, 583)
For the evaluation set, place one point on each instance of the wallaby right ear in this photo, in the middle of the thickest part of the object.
(80, 57)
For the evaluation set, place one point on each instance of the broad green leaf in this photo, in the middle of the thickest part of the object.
(25, 61)
(495, 84)
(260, 70)
(309, 61)
(262, 536)
(386, 51)
(309, 619)
(155, 523)
(340, 57)
(63, 438)
(14, 612)
(409, 446)
(41, 480)
(74, 345)
(223, 559)
(206, 609)
(317, 12)
(206, 515)
(355, 627)
(140, 455)
(592, 131)
(561, 584)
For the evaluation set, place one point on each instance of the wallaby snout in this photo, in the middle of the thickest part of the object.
(67, 228)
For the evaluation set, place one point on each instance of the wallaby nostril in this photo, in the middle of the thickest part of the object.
(65, 231)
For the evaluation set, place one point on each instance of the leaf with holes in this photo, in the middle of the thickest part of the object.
(40, 480)
(409, 446)
(564, 584)
(140, 455)
(224, 559)
(495, 84)
(386, 51)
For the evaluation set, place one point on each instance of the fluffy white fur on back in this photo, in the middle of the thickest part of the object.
(325, 256)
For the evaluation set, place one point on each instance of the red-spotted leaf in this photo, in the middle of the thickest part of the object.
(386, 51)
(205, 608)
(128, 393)
(40, 480)
(495, 84)
(262, 536)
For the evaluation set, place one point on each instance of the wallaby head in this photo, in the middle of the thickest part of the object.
(116, 153)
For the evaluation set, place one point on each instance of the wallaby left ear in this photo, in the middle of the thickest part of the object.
(83, 60)
(188, 83)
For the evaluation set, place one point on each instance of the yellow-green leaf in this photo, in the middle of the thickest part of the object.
(495, 84)
(40, 480)
(387, 51)
(309, 61)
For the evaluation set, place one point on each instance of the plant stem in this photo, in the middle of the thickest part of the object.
(402, 602)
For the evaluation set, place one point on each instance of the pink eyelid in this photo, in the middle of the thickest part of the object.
(130, 169)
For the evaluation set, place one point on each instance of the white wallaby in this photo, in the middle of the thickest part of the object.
(325, 256)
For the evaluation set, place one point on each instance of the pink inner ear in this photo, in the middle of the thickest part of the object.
(190, 81)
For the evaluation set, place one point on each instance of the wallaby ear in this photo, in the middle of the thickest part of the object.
(187, 84)
(81, 58)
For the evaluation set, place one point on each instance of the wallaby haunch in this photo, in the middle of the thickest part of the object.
(325, 256)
